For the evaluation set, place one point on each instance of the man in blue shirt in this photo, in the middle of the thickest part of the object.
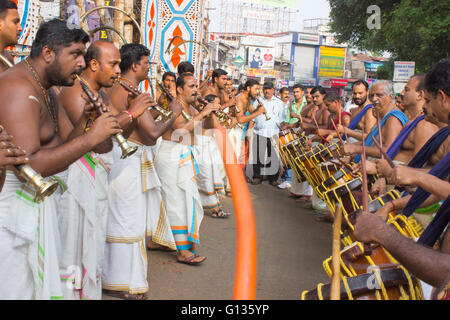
(263, 130)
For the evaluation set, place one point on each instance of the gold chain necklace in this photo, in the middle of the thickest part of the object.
(46, 96)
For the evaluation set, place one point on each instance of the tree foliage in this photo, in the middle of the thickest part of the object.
(411, 30)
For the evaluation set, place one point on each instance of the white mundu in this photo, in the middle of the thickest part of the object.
(235, 135)
(136, 211)
(210, 179)
(177, 168)
(29, 244)
(82, 215)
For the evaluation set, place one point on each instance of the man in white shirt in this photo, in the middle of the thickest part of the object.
(263, 130)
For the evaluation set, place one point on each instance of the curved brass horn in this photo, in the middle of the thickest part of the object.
(171, 41)
(91, 32)
(84, 16)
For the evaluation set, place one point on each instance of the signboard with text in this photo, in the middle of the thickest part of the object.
(331, 62)
(339, 82)
(403, 70)
(261, 73)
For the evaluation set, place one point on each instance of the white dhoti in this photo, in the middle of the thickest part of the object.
(82, 215)
(177, 169)
(136, 210)
(301, 188)
(28, 247)
(235, 135)
(210, 178)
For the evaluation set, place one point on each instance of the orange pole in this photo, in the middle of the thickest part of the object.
(245, 270)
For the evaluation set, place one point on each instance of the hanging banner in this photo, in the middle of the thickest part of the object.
(331, 62)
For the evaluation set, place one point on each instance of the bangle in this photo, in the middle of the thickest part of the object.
(129, 114)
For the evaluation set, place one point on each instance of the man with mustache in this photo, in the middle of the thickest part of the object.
(84, 207)
(31, 115)
(137, 216)
(392, 121)
(360, 116)
(429, 258)
(177, 169)
(10, 30)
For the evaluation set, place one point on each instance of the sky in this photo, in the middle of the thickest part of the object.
(308, 9)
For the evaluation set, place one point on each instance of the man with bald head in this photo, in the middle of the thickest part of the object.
(84, 207)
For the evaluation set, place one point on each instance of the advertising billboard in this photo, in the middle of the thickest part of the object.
(261, 58)
(331, 62)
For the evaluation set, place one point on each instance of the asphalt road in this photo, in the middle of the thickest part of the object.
(291, 246)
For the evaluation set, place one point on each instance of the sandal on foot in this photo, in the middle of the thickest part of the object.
(189, 261)
(161, 248)
(125, 295)
(220, 214)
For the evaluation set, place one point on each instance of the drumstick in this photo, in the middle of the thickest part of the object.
(391, 164)
(379, 132)
(317, 126)
(339, 135)
(384, 154)
(335, 293)
(365, 186)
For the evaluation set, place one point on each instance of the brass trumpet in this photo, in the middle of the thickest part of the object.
(166, 114)
(127, 150)
(169, 96)
(221, 116)
(235, 106)
(265, 114)
(43, 188)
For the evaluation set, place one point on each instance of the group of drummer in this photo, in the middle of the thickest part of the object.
(400, 152)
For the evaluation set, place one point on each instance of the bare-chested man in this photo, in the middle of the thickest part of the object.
(84, 207)
(437, 109)
(168, 80)
(10, 29)
(136, 208)
(29, 113)
(175, 163)
(322, 113)
(248, 113)
(218, 88)
(360, 116)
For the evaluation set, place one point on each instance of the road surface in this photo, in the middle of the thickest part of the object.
(291, 246)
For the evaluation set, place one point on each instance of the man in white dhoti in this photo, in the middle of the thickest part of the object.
(136, 207)
(28, 230)
(84, 207)
(177, 168)
(211, 177)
